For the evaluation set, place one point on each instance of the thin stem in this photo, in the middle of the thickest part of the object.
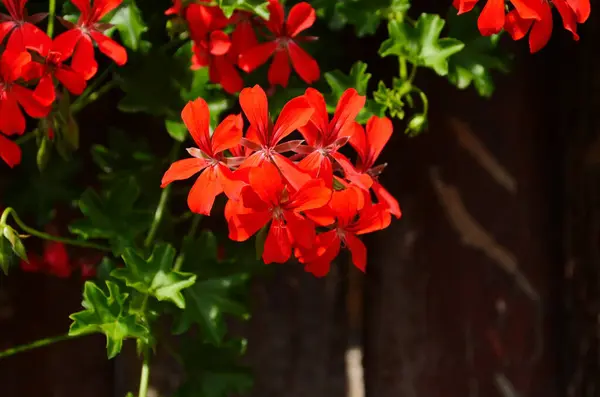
(25, 138)
(51, 13)
(403, 68)
(82, 100)
(191, 233)
(92, 97)
(145, 376)
(46, 236)
(38, 343)
(162, 203)
(413, 73)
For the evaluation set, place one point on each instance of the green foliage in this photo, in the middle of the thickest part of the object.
(213, 371)
(480, 56)
(111, 215)
(155, 276)
(258, 7)
(131, 26)
(421, 44)
(215, 292)
(10, 243)
(107, 313)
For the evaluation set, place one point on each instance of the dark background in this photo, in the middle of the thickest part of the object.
(488, 285)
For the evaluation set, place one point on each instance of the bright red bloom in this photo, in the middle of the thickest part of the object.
(492, 17)
(54, 261)
(263, 137)
(215, 177)
(369, 145)
(284, 45)
(53, 66)
(19, 27)
(269, 199)
(349, 216)
(243, 36)
(12, 95)
(541, 30)
(325, 137)
(80, 39)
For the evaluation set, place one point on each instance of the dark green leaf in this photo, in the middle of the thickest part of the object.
(214, 371)
(112, 216)
(107, 314)
(258, 7)
(130, 24)
(364, 15)
(421, 44)
(6, 255)
(176, 129)
(155, 276)
(480, 56)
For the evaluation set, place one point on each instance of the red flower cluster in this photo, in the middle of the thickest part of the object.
(221, 52)
(32, 59)
(312, 202)
(527, 16)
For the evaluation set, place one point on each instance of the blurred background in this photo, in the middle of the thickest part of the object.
(487, 287)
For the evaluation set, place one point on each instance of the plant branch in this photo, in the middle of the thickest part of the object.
(90, 94)
(38, 343)
(191, 233)
(46, 236)
(51, 13)
(145, 376)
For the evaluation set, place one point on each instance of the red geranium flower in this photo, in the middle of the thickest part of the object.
(23, 33)
(492, 17)
(325, 137)
(369, 145)
(349, 216)
(301, 17)
(263, 137)
(268, 198)
(208, 159)
(12, 95)
(571, 12)
(53, 66)
(54, 261)
(80, 39)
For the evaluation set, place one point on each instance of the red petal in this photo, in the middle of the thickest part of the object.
(26, 36)
(568, 17)
(57, 259)
(110, 48)
(320, 266)
(206, 188)
(346, 204)
(358, 251)
(348, 107)
(290, 171)
(254, 57)
(266, 183)
(491, 19)
(305, 65)
(83, 6)
(320, 117)
(255, 106)
(13, 64)
(228, 133)
(27, 101)
(5, 29)
(72, 80)
(10, 152)
(279, 71)
(379, 131)
(372, 218)
(231, 182)
(581, 8)
(295, 114)
(314, 194)
(84, 61)
(361, 179)
(243, 226)
(358, 140)
(516, 26)
(182, 169)
(219, 43)
(541, 31)
(229, 77)
(301, 230)
(301, 17)
(35, 264)
(44, 92)
(464, 5)
(529, 9)
(278, 247)
(243, 37)
(196, 118)
(65, 43)
(275, 22)
(103, 7)
(383, 196)
(12, 120)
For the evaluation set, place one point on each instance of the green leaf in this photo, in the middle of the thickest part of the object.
(130, 24)
(214, 371)
(107, 314)
(155, 276)
(112, 216)
(44, 153)
(364, 15)
(421, 44)
(480, 56)
(176, 129)
(6, 255)
(258, 7)
(215, 293)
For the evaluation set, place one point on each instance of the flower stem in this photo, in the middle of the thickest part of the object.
(51, 13)
(191, 233)
(90, 94)
(145, 376)
(162, 203)
(78, 243)
(38, 343)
